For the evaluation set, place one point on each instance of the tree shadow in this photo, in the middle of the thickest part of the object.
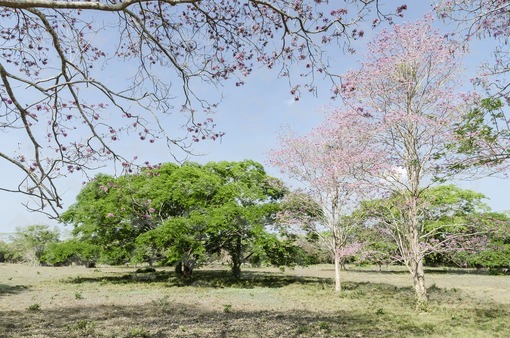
(6, 290)
(165, 318)
(204, 278)
(382, 271)
(428, 270)
(185, 320)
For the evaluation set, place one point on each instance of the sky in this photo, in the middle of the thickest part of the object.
(251, 117)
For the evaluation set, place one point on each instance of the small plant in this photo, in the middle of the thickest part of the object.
(303, 329)
(324, 326)
(227, 308)
(78, 295)
(139, 332)
(163, 304)
(34, 307)
(83, 325)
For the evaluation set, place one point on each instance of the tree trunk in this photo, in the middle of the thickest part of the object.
(419, 284)
(338, 284)
(187, 271)
(178, 268)
(342, 264)
(236, 258)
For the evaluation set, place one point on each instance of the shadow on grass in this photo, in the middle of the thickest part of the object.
(204, 278)
(170, 319)
(428, 270)
(184, 320)
(6, 290)
(261, 279)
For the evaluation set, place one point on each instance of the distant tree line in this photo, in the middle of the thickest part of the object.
(230, 212)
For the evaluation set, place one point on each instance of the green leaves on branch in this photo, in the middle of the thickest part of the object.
(483, 135)
(179, 213)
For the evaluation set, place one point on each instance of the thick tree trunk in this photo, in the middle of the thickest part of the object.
(184, 269)
(416, 259)
(419, 284)
(236, 258)
(178, 268)
(187, 271)
(338, 283)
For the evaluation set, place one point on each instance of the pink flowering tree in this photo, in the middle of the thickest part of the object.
(484, 19)
(328, 164)
(408, 88)
(78, 79)
(484, 135)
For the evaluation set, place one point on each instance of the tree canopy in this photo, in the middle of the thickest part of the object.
(178, 213)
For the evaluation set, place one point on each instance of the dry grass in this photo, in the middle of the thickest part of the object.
(117, 302)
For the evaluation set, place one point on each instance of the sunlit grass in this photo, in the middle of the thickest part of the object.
(121, 302)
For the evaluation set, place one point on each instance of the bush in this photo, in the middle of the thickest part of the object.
(71, 251)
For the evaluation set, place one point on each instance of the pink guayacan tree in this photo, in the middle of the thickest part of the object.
(485, 133)
(484, 19)
(408, 88)
(329, 164)
(77, 77)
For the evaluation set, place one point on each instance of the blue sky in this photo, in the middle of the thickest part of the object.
(251, 117)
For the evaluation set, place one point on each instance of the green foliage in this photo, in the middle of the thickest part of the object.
(378, 247)
(30, 243)
(71, 251)
(227, 308)
(34, 307)
(7, 253)
(495, 255)
(176, 213)
(280, 252)
(85, 327)
(459, 229)
(139, 332)
(481, 133)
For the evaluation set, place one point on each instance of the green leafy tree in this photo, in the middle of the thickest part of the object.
(494, 246)
(177, 214)
(6, 252)
(247, 202)
(71, 251)
(179, 240)
(378, 247)
(30, 242)
(457, 226)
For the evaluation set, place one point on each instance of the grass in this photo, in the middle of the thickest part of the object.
(124, 302)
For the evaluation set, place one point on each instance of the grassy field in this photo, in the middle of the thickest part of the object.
(118, 302)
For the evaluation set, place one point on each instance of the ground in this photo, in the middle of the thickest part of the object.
(300, 302)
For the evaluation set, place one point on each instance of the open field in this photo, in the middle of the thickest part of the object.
(117, 302)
